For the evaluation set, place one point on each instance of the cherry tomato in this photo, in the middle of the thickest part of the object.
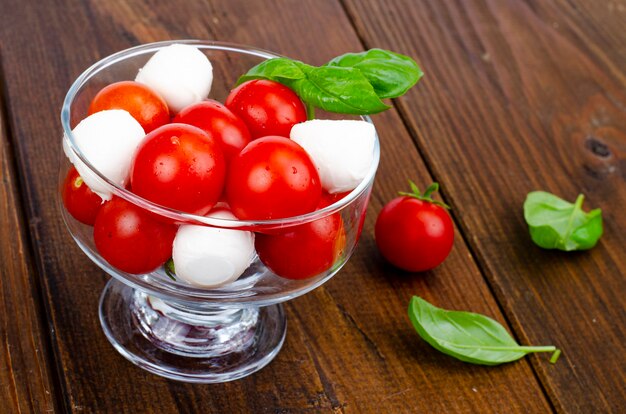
(273, 177)
(216, 120)
(267, 107)
(301, 252)
(130, 239)
(143, 104)
(78, 199)
(179, 166)
(414, 233)
(328, 199)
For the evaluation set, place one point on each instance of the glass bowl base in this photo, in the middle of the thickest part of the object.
(191, 344)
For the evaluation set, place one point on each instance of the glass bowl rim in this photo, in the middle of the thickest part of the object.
(174, 214)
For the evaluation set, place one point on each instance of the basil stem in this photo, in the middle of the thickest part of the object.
(310, 112)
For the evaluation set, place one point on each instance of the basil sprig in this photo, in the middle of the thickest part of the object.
(354, 83)
(468, 336)
(557, 224)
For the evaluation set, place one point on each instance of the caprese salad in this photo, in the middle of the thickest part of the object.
(260, 155)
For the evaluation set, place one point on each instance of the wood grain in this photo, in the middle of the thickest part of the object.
(520, 96)
(26, 384)
(350, 346)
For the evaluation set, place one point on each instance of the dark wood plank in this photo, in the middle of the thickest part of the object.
(26, 384)
(520, 96)
(344, 351)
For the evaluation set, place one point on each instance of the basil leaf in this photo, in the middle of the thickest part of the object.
(335, 89)
(467, 336)
(279, 69)
(557, 224)
(391, 74)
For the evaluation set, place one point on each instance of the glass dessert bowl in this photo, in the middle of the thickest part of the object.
(163, 324)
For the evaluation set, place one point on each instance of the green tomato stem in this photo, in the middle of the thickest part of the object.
(416, 193)
(555, 356)
(78, 182)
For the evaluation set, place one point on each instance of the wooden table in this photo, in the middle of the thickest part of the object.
(518, 96)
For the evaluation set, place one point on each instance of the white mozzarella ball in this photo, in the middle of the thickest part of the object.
(342, 151)
(211, 257)
(181, 74)
(108, 140)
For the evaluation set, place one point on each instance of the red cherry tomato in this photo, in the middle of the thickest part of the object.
(267, 107)
(328, 199)
(179, 166)
(303, 251)
(78, 199)
(414, 234)
(273, 177)
(143, 104)
(130, 239)
(216, 120)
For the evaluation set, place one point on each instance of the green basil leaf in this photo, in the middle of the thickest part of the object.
(336, 89)
(391, 74)
(557, 224)
(280, 70)
(467, 336)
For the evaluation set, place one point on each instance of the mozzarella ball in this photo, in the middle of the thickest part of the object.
(108, 140)
(342, 151)
(181, 74)
(211, 257)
